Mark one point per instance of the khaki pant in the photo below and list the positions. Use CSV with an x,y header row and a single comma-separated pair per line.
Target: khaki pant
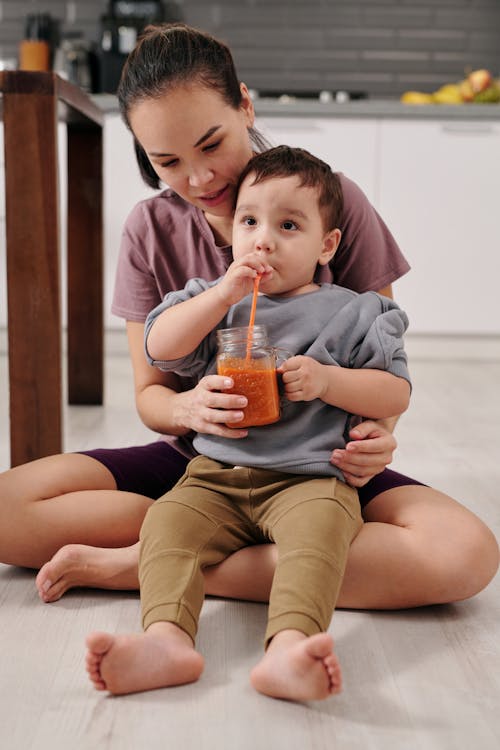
x,y
216,509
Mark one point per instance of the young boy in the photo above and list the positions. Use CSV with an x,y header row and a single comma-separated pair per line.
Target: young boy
x,y
271,483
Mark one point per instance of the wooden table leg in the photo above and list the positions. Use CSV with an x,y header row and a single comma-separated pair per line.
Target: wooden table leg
x,y
85,265
32,234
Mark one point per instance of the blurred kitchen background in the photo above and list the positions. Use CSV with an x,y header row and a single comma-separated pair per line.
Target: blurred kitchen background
x,y
327,76
365,46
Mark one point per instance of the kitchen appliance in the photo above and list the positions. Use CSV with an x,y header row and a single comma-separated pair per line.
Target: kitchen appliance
x,y
120,27
35,49
75,60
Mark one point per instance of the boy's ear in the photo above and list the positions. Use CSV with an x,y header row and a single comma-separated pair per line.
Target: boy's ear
x,y
331,241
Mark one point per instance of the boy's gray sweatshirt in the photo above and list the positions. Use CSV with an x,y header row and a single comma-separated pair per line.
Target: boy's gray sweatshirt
x,y
334,326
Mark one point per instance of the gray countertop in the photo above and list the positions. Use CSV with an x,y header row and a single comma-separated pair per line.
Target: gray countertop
x,y
376,108
365,108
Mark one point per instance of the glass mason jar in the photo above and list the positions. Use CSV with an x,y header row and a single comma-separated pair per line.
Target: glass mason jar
x,y
245,356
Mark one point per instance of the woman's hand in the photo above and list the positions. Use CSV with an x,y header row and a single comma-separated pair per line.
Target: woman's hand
x,y
165,409
369,452
206,408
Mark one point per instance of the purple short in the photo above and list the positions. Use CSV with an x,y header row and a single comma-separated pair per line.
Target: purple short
x,y
153,469
386,480
149,470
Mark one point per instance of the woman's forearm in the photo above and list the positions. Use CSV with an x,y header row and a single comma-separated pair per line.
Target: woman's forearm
x,y
157,394
157,408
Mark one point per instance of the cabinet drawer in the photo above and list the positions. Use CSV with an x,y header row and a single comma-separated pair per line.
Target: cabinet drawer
x,y
347,145
439,188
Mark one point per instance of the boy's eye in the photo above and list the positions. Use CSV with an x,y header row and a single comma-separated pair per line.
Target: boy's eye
x,y
249,221
289,225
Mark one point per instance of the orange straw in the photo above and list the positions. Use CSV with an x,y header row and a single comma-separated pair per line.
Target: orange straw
x,y
251,322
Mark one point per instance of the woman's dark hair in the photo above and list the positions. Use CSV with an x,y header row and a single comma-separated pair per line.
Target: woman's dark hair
x,y
170,54
283,161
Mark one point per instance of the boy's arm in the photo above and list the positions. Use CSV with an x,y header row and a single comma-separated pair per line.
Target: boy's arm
x,y
179,329
375,394
389,423
371,393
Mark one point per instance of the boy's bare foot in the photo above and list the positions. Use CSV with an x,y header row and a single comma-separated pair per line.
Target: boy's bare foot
x,y
93,567
163,656
299,668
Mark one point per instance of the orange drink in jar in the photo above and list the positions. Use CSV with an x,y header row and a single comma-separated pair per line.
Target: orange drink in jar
x,y
251,364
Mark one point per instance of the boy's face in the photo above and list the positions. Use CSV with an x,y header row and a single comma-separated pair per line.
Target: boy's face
x,y
281,220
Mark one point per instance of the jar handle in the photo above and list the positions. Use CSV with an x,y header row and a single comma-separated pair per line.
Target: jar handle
x,y
281,355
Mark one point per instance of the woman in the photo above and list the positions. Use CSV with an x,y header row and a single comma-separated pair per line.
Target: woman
x,y
77,516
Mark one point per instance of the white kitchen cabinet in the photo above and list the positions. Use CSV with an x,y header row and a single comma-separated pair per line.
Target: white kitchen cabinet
x,y
348,145
436,183
439,192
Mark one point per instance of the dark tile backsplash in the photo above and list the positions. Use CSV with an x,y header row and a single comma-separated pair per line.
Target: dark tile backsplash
x,y
381,48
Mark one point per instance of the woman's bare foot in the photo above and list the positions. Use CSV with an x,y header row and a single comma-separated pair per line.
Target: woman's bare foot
x,y
93,567
163,656
299,668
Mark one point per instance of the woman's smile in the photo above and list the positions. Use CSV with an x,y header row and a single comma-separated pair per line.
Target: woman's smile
x,y
216,197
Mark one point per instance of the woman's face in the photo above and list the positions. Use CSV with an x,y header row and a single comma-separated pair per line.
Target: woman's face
x,y
197,143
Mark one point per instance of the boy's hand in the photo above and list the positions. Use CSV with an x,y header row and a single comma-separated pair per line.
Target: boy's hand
x,y
239,277
303,378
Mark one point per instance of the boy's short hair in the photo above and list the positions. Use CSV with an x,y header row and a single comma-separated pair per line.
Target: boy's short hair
x,y
284,161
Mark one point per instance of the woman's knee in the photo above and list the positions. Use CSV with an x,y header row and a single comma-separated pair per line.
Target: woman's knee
x,y
477,559
456,545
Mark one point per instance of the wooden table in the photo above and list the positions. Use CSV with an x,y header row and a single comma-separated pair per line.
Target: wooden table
x,y
32,105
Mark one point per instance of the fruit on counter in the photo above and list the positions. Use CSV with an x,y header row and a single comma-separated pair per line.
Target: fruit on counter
x,y
480,80
491,95
416,97
466,90
479,87
449,94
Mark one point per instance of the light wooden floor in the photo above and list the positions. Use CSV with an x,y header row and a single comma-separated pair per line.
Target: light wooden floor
x,y
427,679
